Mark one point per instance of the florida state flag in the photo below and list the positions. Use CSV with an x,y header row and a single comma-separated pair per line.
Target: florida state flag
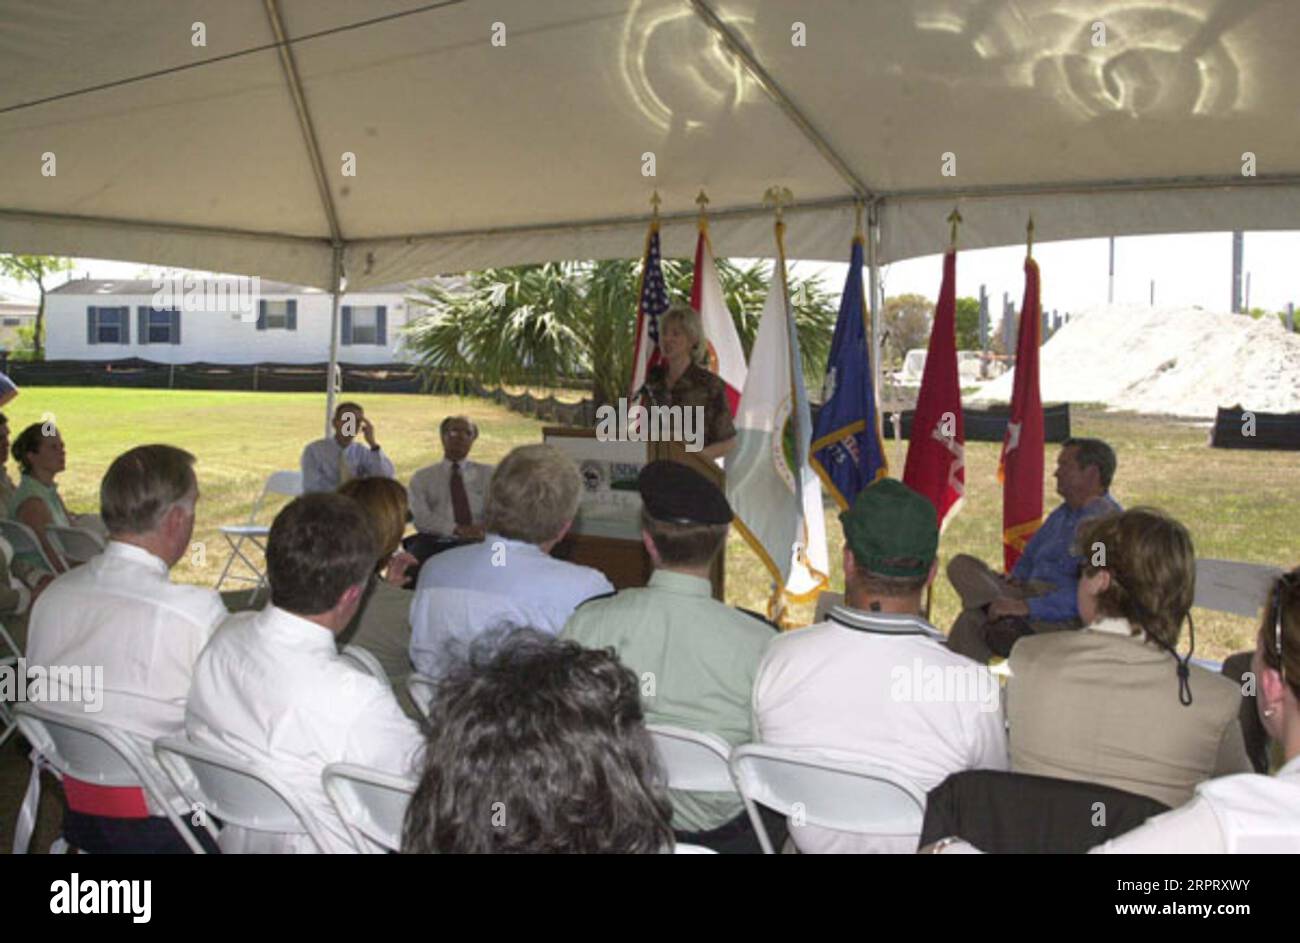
x,y
936,454
1021,467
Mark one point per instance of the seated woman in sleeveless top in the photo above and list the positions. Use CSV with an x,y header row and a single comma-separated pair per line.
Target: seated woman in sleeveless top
x,y
40,454
1249,813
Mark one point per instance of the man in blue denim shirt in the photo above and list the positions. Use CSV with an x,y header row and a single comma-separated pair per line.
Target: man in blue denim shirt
x,y
1039,595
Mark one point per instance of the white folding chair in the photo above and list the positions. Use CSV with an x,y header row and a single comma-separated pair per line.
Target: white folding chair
x,y
371,804
288,483
421,690
693,761
23,539
74,544
93,753
235,790
1233,587
10,654
846,796
681,848
365,661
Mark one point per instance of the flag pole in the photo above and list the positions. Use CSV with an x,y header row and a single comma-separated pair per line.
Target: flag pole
x,y
702,201
954,218
877,304
1029,247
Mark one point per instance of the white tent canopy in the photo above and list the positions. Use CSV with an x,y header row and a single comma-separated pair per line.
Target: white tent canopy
x,y
468,154
494,132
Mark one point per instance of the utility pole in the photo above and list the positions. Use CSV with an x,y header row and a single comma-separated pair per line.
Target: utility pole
x,y
1245,308
1110,287
1153,292
984,319
1238,251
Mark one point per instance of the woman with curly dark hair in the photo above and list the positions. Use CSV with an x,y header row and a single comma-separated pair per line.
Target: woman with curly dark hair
x,y
538,746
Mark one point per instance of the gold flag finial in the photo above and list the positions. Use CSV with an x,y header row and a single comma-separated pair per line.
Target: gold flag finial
x,y
1030,230
702,201
955,219
778,197
654,202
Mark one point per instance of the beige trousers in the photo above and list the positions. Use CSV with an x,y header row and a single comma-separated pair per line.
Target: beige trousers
x,y
974,632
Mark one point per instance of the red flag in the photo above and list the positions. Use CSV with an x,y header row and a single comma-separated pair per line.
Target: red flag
x,y
936,454
726,356
1021,467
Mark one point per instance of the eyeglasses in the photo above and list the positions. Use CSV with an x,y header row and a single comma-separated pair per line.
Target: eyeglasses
x,y
1285,584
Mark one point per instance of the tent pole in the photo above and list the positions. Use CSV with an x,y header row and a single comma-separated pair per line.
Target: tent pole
x,y
334,336
877,312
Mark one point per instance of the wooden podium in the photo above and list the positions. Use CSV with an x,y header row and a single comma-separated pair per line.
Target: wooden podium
x,y
607,532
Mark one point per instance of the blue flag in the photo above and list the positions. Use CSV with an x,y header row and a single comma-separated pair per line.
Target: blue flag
x,y
846,449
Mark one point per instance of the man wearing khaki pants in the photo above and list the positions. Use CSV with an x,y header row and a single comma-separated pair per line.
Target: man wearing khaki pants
x,y
1039,594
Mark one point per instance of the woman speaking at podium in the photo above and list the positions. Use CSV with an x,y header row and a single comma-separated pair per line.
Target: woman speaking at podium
x,y
681,381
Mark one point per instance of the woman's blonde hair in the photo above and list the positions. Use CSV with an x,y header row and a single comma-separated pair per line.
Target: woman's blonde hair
x,y
1152,566
688,319
534,492
385,505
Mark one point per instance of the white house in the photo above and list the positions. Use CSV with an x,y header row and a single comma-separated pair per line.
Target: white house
x,y
220,320
14,313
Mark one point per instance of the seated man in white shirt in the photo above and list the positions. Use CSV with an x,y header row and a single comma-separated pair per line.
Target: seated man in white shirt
x,y
509,579
447,497
121,611
875,683
272,688
328,462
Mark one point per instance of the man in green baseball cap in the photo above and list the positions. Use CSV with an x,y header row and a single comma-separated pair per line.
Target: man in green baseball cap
x,y
876,680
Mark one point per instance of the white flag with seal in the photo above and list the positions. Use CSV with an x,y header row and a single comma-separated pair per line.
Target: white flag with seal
x,y
775,494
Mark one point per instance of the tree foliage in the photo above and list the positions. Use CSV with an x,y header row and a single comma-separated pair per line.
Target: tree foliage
x,y
552,324
35,269
905,326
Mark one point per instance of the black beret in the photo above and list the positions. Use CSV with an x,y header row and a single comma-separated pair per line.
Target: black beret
x,y
675,494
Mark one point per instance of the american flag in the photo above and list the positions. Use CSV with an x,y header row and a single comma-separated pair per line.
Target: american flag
x,y
653,303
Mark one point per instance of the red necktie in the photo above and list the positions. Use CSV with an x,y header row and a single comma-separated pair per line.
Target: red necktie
x,y
460,498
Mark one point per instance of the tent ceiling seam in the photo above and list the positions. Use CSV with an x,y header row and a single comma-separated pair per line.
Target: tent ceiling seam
x,y
776,93
294,81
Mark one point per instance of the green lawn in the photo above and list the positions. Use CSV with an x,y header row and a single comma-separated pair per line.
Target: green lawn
x,y
1238,505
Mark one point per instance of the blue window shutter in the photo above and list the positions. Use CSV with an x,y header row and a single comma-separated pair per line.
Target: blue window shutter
x,y
381,332
291,319
261,315
92,328
124,321
142,322
176,326
345,328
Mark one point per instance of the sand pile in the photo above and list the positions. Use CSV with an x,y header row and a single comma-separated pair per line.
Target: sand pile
x,y
1177,361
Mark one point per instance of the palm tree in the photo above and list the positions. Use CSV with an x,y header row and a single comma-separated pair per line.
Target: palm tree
x,y
563,322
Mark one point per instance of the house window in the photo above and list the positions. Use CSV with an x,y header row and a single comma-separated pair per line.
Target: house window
x,y
160,326
365,325
12,322
277,315
111,326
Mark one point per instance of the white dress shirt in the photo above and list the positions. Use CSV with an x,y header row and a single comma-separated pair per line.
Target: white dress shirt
x,y
120,610
1243,814
272,688
321,461
430,495
862,687
466,591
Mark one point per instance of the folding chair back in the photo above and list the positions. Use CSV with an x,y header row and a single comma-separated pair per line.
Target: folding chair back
x,y
288,483
9,655
23,539
693,761
74,544
1231,586
98,754
235,790
421,690
846,796
826,601
371,804
364,660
